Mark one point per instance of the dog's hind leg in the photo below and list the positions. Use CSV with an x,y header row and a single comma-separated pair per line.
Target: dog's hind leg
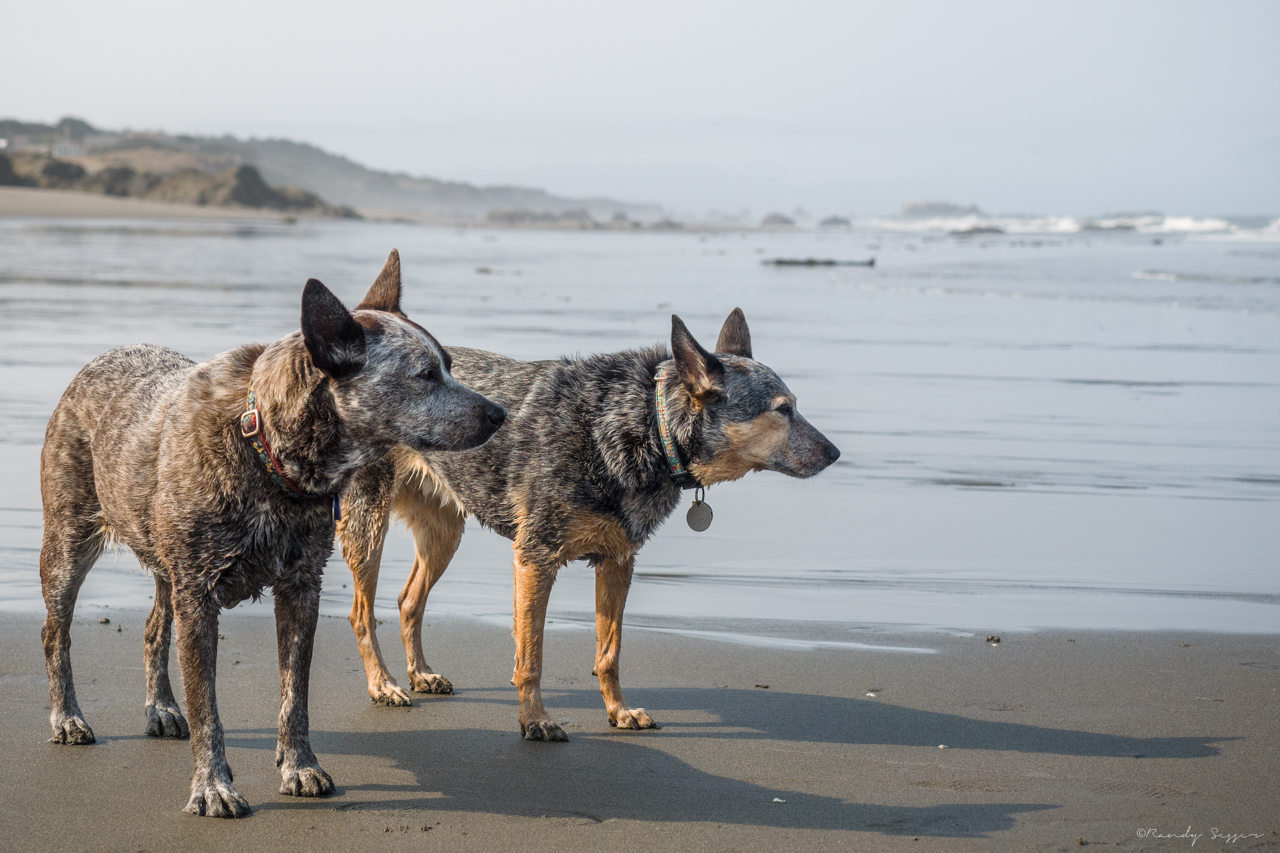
x,y
437,529
74,535
613,579
65,559
366,506
533,585
196,621
297,610
164,717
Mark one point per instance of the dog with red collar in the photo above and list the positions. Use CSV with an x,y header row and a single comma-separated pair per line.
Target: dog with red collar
x,y
222,478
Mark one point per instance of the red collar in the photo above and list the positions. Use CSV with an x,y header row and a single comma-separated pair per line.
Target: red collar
x,y
251,427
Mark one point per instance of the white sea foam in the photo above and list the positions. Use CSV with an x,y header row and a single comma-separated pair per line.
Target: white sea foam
x,y
1267,234
977,225
1191,224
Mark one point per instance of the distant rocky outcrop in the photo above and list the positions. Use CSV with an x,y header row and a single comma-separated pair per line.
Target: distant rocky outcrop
x,y
238,186
938,210
777,220
35,170
8,178
523,216
575,218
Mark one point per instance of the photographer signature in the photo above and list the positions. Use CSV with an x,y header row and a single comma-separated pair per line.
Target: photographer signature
x,y
1214,835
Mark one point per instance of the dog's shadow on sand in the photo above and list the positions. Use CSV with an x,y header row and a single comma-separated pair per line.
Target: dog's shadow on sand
x,y
836,720
603,775
606,777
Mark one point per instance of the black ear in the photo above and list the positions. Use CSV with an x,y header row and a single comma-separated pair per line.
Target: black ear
x,y
700,371
385,293
334,339
735,337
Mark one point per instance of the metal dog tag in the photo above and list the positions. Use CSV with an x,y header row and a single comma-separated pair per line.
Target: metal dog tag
x,y
699,515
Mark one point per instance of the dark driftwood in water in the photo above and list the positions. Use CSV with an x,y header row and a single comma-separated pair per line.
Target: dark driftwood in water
x,y
817,262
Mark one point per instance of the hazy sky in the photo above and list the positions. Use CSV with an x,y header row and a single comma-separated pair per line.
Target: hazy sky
x,y
1077,107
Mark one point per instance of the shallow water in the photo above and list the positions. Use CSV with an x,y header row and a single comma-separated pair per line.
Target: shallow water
x,y
1049,430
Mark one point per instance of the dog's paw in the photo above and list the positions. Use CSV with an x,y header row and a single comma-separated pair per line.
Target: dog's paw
x,y
543,730
389,694
429,682
216,799
71,730
166,721
632,718
307,781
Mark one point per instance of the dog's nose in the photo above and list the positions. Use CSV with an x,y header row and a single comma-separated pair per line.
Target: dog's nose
x,y
497,414
833,453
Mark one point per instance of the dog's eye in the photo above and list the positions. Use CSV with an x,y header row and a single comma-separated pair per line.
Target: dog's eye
x,y
429,375
785,410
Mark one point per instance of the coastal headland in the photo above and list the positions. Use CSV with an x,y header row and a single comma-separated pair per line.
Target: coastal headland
x,y
273,174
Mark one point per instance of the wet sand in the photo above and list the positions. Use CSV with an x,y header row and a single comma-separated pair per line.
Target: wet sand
x,y
1051,737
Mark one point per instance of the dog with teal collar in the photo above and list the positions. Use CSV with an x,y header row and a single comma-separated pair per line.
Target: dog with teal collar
x,y
594,457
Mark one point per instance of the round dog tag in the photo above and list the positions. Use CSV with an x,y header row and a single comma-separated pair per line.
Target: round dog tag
x,y
699,516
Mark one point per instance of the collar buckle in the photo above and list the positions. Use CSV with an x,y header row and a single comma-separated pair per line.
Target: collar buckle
x,y
250,423
251,428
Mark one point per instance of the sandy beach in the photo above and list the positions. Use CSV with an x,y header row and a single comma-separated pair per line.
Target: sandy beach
x,y
66,204
1049,737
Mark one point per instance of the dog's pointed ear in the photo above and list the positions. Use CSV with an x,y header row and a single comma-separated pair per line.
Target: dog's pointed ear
x,y
735,337
385,293
700,371
333,337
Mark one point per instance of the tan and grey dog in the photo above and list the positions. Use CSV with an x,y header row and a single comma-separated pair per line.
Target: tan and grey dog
x,y
220,477
579,472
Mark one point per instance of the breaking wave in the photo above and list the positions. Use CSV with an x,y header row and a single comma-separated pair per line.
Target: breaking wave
x,y
976,225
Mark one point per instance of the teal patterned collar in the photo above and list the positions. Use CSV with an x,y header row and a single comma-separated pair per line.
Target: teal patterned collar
x,y
680,473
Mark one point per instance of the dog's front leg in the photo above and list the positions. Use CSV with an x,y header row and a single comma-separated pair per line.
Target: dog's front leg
x,y
196,618
366,507
613,579
297,609
532,591
437,530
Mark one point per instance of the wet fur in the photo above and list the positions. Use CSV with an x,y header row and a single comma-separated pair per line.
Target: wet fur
x,y
144,449
578,472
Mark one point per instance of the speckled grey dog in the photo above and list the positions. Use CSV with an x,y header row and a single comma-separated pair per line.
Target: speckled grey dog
x,y
579,472
220,477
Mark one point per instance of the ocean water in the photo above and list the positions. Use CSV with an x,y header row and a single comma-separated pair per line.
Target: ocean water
x,y
1061,426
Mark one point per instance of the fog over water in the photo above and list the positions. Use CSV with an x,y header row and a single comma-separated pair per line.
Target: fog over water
x,y
1046,427
835,107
